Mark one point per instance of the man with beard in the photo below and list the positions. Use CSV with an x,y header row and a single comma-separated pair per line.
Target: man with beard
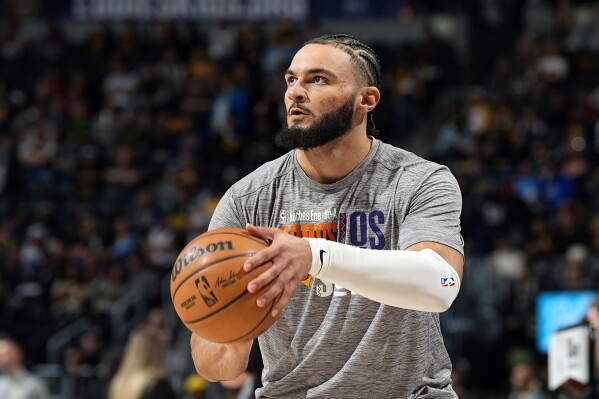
x,y
373,232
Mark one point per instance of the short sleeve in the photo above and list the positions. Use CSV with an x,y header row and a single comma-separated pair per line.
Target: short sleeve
x,y
434,212
225,214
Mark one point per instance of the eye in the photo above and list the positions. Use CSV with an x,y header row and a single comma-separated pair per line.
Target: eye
x,y
320,80
291,79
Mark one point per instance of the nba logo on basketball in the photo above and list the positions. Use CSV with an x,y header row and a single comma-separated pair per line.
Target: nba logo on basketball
x,y
447,281
206,292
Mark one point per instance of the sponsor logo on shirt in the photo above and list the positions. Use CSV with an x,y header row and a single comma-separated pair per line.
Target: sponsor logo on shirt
x,y
357,228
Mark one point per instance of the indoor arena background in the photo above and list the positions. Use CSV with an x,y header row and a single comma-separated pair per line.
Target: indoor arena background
x,y
122,123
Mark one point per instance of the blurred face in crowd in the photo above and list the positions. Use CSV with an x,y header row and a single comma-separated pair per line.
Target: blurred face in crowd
x,y
320,99
10,356
521,377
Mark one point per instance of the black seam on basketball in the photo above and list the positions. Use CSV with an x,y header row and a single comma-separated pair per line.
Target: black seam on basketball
x,y
207,266
251,238
230,303
219,309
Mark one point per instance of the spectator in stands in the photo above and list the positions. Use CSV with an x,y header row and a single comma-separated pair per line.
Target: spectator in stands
x,y
141,373
36,148
15,381
525,383
125,240
121,178
156,325
86,352
67,291
119,85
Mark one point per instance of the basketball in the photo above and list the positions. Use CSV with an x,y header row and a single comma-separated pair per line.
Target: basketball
x,y
209,287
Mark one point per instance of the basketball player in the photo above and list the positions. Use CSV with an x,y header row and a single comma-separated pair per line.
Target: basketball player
x,y
376,228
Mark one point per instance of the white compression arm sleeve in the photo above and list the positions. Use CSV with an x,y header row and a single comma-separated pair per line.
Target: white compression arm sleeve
x,y
418,280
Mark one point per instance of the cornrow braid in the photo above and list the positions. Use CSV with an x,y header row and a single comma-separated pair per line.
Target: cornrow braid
x,y
364,58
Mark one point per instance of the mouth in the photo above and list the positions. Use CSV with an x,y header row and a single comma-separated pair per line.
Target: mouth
x,y
297,112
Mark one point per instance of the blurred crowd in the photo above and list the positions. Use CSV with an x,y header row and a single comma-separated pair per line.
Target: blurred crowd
x,y
114,150
524,145
115,146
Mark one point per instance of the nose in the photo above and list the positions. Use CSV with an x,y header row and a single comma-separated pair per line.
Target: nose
x,y
297,93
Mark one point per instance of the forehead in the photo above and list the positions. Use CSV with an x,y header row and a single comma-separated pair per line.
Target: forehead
x,y
322,56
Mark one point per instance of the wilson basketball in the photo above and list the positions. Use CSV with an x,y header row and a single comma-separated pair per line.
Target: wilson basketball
x,y
209,287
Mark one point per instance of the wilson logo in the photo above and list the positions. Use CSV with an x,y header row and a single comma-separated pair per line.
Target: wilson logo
x,y
197,252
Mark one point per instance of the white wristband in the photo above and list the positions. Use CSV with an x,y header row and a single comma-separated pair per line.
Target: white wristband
x,y
418,280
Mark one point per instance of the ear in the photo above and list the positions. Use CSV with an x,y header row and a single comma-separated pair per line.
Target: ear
x,y
369,98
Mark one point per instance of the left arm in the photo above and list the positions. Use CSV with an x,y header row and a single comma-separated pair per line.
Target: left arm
x,y
412,278
424,277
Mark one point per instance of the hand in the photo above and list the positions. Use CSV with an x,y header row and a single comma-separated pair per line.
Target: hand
x,y
291,258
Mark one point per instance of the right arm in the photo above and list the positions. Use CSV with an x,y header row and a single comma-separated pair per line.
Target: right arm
x,y
219,362
213,361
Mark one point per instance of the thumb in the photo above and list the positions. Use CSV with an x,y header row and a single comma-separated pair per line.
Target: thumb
x,y
267,233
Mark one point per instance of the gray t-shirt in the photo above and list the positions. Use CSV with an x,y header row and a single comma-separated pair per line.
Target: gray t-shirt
x,y
328,342
22,385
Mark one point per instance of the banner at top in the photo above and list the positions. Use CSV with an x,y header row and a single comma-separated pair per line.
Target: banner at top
x,y
190,9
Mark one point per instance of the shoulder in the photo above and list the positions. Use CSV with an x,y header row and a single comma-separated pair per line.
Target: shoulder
x,y
263,176
412,165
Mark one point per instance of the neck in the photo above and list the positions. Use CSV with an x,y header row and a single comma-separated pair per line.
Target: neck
x,y
333,161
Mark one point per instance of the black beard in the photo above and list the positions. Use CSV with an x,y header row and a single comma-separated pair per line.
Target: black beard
x,y
327,128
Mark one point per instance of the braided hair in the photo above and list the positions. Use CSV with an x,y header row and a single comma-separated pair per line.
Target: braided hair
x,y
365,60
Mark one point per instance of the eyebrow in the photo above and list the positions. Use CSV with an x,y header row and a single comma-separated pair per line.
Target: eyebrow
x,y
314,71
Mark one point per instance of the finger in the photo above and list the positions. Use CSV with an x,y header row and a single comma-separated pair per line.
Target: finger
x,y
284,299
258,259
280,284
266,233
271,293
263,279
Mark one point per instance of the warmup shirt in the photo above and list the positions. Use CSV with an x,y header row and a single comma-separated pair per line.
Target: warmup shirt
x,y
329,342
